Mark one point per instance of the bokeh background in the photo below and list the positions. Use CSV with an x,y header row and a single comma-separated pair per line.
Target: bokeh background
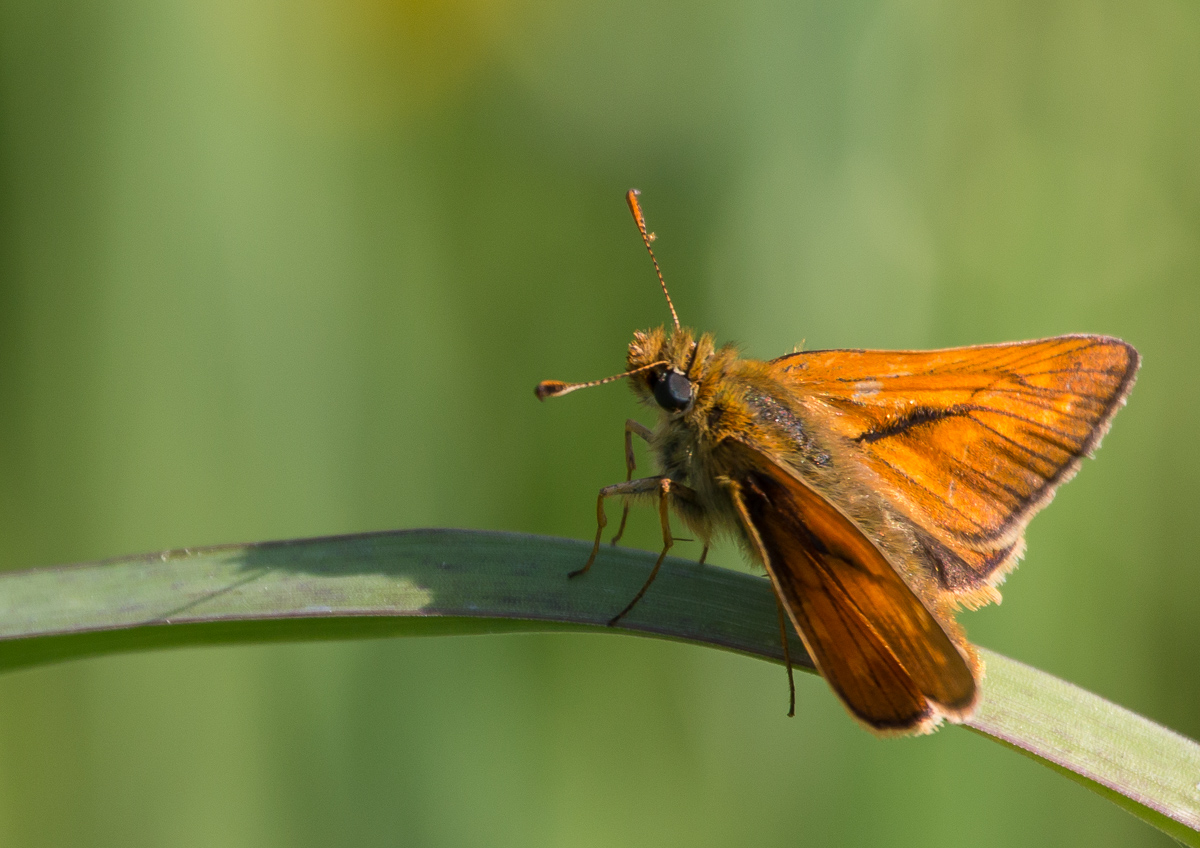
x,y
274,269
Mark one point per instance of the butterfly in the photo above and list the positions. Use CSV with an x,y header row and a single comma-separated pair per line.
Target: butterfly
x,y
880,490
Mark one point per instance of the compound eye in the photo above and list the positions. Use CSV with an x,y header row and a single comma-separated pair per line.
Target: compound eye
x,y
673,391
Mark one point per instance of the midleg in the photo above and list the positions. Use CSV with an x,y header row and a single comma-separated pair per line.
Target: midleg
x,y
666,489
630,487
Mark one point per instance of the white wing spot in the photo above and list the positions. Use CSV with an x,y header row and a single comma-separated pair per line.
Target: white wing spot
x,y
866,388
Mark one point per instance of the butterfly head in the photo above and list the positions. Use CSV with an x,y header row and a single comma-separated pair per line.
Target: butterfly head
x,y
663,369
667,371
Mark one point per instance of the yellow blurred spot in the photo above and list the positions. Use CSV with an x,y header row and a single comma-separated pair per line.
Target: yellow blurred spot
x,y
357,63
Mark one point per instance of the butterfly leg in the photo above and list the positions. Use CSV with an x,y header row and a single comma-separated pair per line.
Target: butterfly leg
x,y
644,486
756,542
787,655
667,488
631,427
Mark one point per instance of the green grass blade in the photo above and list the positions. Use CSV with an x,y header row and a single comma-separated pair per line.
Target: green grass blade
x,y
1141,766
438,582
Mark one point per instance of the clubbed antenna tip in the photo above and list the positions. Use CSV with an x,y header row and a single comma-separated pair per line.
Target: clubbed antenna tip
x,y
557,388
550,388
631,197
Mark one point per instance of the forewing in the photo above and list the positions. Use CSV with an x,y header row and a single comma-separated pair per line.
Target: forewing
x,y
885,655
968,443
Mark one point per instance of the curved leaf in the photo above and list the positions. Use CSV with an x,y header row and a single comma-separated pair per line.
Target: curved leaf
x,y
434,582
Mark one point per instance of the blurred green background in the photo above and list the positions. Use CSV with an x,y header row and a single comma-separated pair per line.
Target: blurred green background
x,y
276,269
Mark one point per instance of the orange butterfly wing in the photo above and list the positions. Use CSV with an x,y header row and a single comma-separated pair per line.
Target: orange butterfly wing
x,y
967,443
885,655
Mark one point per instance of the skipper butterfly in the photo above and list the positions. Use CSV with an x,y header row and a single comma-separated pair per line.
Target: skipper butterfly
x,y
881,490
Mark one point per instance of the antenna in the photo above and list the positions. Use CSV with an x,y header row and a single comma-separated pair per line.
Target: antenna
x,y
555,388
631,197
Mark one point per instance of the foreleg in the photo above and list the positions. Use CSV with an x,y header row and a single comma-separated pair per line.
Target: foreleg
x,y
631,427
